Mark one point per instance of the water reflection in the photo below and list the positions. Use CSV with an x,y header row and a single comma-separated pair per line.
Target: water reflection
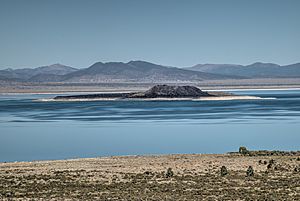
x,y
31,130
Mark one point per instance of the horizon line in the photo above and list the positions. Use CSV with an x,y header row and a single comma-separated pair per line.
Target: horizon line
x,y
124,62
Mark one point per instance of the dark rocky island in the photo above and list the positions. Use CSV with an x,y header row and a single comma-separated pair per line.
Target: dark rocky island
x,y
167,91
157,91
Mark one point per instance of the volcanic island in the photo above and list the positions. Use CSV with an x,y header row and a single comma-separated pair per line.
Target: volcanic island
x,y
158,92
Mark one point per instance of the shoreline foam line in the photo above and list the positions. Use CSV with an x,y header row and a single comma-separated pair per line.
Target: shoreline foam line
x,y
158,99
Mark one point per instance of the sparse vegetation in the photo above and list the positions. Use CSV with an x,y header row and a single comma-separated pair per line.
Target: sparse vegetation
x,y
272,161
243,151
250,171
224,171
269,166
197,177
169,173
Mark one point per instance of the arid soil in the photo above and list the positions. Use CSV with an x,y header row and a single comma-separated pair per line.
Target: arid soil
x,y
192,177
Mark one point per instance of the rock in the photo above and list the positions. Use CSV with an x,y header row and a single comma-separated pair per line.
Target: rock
x,y
157,91
9,194
167,91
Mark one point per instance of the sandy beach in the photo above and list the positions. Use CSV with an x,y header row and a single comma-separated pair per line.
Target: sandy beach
x,y
191,177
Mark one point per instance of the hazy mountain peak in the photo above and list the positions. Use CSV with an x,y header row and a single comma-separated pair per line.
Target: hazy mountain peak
x,y
56,65
138,61
259,64
145,64
8,69
114,62
255,70
97,63
143,71
210,64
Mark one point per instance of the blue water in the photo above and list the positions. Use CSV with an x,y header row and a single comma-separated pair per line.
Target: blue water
x,y
32,130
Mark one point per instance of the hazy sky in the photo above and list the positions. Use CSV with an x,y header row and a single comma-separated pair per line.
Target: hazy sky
x,y
179,33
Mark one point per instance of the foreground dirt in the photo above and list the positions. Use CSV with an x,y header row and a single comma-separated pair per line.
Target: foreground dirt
x,y
195,177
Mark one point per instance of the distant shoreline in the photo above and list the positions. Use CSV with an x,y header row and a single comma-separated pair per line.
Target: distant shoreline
x,y
92,90
220,98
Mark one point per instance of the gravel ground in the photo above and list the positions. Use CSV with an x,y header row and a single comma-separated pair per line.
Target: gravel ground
x,y
191,177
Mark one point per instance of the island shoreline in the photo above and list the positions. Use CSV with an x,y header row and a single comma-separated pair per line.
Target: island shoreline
x,y
98,88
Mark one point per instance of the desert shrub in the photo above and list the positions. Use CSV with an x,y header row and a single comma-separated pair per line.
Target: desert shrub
x,y
269,166
243,150
250,171
169,173
223,171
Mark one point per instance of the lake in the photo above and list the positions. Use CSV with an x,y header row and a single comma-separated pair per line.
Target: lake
x,y
33,130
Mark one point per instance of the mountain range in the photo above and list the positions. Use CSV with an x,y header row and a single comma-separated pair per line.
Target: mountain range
x,y
255,70
142,71
36,74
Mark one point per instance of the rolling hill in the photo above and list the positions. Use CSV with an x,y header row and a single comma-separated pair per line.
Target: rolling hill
x,y
142,71
33,74
255,70
137,71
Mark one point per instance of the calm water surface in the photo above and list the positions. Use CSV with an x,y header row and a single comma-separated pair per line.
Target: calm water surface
x,y
32,130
